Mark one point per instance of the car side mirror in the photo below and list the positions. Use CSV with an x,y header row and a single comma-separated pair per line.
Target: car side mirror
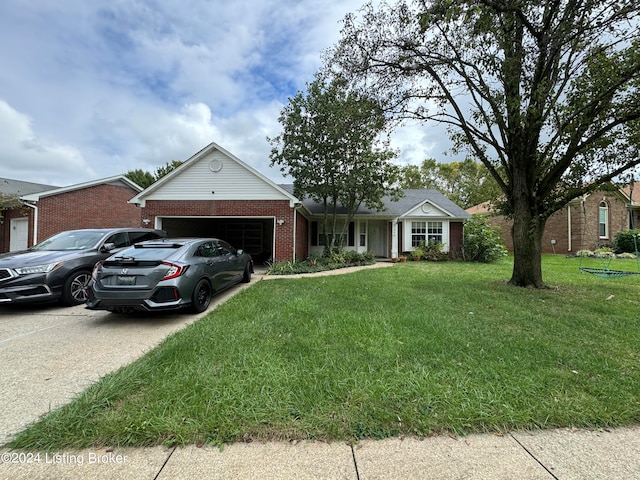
x,y
107,247
239,252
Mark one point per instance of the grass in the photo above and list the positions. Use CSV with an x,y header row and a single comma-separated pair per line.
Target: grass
x,y
414,349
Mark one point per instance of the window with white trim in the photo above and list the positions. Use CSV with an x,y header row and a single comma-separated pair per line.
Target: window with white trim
x,y
603,220
418,233
434,232
363,234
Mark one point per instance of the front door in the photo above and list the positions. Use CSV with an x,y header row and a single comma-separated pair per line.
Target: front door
x,y
19,234
378,237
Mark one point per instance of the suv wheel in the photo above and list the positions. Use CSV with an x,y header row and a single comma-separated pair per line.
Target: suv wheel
x,y
74,291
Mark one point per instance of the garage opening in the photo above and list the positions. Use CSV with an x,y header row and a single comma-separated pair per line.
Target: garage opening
x,y
253,235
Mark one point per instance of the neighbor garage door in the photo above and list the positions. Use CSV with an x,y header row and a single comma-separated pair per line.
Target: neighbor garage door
x,y
254,235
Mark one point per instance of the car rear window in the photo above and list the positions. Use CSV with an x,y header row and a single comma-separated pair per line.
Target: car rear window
x,y
154,252
136,237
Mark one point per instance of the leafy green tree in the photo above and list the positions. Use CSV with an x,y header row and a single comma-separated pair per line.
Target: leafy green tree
x,y
145,179
7,202
544,94
330,145
140,177
482,242
166,169
424,175
467,183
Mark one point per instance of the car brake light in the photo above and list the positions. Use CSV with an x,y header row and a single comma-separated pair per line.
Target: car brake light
x,y
174,271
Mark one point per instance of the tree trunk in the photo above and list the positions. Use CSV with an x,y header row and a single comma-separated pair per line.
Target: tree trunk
x,y
527,251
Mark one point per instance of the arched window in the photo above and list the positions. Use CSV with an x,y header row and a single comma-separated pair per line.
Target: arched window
x,y
603,222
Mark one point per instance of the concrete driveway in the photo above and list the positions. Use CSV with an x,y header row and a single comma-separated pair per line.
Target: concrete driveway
x,y
49,354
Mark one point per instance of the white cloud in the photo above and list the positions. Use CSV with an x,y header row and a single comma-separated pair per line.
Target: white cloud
x,y
26,156
103,87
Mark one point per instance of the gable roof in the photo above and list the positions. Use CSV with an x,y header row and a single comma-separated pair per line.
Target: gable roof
x,y
20,188
412,199
34,197
214,173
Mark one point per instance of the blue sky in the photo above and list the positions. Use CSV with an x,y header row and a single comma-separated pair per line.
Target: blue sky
x,y
91,89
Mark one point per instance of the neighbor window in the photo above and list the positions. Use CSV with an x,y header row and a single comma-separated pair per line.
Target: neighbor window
x,y
603,220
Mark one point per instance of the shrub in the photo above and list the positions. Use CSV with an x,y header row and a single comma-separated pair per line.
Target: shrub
x,y
419,253
319,263
604,252
482,242
433,251
624,241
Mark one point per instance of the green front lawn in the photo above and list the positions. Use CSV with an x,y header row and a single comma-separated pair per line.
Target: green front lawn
x,y
416,348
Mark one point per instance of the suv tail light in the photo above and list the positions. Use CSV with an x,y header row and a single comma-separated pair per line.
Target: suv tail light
x,y
96,269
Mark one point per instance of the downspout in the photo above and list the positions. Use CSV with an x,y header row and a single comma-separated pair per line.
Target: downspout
x,y
569,226
35,221
295,238
275,239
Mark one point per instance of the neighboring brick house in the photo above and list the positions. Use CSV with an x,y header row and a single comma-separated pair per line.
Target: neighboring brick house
x,y
213,193
14,222
585,223
49,210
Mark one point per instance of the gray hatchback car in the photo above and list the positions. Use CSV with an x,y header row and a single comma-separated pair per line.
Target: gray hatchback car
x,y
167,274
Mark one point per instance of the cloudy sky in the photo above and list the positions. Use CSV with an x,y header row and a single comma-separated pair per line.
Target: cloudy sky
x,y
91,89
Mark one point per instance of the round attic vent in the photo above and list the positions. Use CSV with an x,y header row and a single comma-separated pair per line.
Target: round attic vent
x,y
426,208
215,165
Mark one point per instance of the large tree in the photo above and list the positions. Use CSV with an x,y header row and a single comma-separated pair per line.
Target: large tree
x,y
331,145
467,183
145,179
544,94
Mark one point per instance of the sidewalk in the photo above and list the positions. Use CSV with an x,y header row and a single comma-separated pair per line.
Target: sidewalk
x,y
547,454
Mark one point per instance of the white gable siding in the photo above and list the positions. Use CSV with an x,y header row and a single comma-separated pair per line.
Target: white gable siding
x,y
231,182
427,210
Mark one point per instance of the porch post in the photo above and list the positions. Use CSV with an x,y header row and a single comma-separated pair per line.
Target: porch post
x,y
394,238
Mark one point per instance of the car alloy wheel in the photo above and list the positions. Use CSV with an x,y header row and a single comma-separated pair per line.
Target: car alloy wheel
x,y
74,291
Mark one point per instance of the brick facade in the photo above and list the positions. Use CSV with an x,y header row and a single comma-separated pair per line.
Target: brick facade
x,y
99,206
302,236
570,229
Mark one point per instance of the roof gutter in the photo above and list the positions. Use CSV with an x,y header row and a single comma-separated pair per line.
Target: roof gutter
x,y
35,220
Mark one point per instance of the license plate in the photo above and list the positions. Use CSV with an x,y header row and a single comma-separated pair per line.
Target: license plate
x,y
126,280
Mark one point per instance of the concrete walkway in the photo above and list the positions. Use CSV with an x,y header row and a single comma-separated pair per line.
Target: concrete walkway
x,y
549,454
